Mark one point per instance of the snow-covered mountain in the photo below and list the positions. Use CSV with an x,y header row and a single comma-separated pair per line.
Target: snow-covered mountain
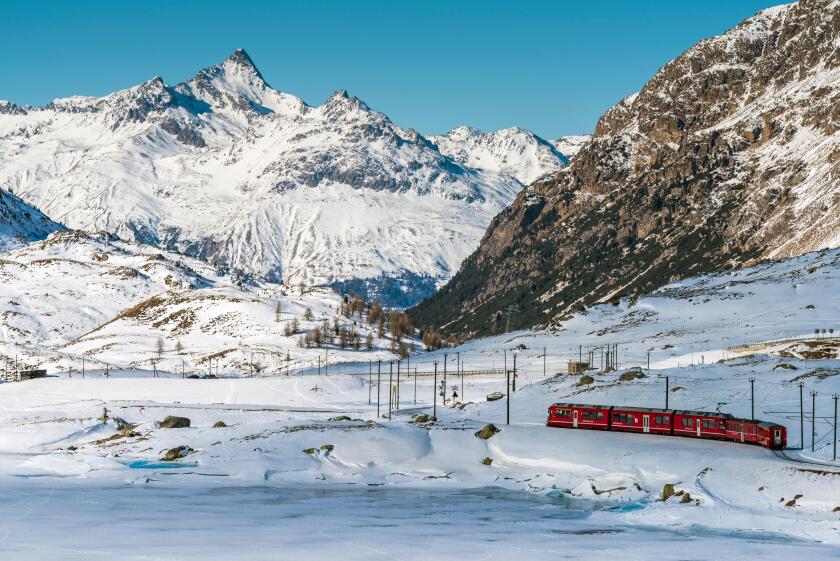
x,y
21,223
514,152
729,153
570,145
227,169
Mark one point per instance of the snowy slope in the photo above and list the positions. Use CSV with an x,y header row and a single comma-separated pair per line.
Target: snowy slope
x,y
227,169
77,295
515,152
311,451
21,223
570,145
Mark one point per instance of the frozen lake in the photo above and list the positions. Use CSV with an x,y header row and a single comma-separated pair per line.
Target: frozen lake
x,y
77,520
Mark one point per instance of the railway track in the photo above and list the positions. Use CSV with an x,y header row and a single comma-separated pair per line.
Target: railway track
x,y
782,456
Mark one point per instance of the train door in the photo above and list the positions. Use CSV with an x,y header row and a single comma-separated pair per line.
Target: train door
x,y
777,437
742,432
575,418
646,423
698,423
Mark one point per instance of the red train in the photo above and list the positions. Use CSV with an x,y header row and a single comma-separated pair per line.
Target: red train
x,y
697,424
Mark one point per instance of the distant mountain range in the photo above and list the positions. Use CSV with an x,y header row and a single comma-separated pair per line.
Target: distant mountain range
x,y
225,168
728,155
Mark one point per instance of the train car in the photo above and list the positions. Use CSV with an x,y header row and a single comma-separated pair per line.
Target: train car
x,y
701,424
742,430
579,416
771,435
641,419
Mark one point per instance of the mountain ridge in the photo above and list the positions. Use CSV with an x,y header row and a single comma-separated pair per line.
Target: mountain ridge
x,y
728,154
335,193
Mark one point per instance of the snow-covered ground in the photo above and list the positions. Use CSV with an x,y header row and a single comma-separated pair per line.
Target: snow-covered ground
x,y
307,469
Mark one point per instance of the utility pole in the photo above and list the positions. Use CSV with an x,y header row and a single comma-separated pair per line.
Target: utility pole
x,y
813,417
514,372
463,385
415,386
370,376
544,374
580,353
390,386
83,367
667,390
398,385
434,394
507,372
326,361
378,384
752,399
319,373
801,417
834,442
444,372
648,361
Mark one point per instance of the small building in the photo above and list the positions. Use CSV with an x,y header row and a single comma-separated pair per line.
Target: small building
x,y
32,374
576,367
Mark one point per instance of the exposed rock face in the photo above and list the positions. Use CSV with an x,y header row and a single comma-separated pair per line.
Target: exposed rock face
x,y
173,422
731,152
487,431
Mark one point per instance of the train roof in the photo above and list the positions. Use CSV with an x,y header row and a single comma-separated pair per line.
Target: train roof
x,y
715,414
588,405
642,409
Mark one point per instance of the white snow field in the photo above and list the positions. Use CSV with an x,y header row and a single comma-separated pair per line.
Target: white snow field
x,y
306,469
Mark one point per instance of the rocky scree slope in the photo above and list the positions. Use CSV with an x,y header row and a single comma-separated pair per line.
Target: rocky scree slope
x,y
729,154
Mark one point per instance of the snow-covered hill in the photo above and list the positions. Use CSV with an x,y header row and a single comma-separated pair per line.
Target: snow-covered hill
x,y
514,152
227,169
21,223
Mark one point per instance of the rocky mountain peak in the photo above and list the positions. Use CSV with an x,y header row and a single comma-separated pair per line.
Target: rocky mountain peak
x,y
728,154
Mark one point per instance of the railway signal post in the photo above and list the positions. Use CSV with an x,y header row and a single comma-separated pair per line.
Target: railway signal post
x,y
752,399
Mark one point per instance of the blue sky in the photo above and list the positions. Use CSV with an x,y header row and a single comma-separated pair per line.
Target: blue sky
x,y
549,66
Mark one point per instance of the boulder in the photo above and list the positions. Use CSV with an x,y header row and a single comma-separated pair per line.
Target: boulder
x,y
122,424
422,418
686,498
487,431
327,447
172,422
667,491
487,461
310,451
219,425
585,380
175,453
340,418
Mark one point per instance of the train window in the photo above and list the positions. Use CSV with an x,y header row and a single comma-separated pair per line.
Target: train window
x,y
661,420
688,423
563,413
710,424
721,425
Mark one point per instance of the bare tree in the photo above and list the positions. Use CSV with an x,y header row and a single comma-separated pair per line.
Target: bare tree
x,y
179,348
307,315
277,311
159,347
369,341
